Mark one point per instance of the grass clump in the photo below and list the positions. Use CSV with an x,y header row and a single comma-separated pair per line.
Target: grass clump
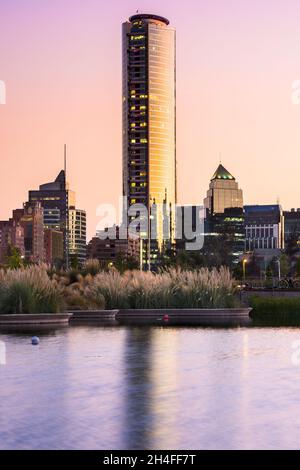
x,y
33,290
172,288
29,290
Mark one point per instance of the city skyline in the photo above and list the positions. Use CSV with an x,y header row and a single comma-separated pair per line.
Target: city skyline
x,y
231,98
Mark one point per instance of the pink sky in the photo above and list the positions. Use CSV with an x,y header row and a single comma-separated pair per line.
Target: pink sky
x,y
236,61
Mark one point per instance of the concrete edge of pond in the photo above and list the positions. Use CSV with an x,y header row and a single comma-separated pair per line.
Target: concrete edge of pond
x,y
35,318
93,316
205,317
135,316
173,313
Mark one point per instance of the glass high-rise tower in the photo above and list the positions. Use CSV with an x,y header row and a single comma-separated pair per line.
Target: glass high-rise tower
x,y
149,135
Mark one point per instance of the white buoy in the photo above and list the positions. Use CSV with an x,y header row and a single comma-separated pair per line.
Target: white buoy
x,y
35,340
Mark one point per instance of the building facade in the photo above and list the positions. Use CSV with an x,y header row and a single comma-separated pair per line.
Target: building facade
x,y
292,228
264,226
60,214
224,215
189,226
11,235
223,192
77,235
31,218
149,140
55,198
108,250
54,247
228,229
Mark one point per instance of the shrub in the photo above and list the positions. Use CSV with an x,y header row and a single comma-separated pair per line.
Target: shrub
x,y
82,296
275,308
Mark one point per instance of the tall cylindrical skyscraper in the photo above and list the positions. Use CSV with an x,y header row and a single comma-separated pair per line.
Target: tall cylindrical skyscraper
x,y
149,127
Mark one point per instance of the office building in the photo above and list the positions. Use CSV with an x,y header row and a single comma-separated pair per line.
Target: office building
x,y
149,142
223,192
31,218
55,198
77,235
60,214
189,226
108,250
54,247
264,226
292,228
224,216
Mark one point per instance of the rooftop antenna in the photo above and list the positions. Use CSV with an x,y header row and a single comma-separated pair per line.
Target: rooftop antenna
x,y
220,157
65,161
67,209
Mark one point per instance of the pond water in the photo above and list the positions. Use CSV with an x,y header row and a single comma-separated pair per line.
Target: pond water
x,y
88,387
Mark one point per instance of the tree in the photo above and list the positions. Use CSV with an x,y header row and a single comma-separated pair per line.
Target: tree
x,y
124,263
298,267
13,257
74,263
284,265
269,270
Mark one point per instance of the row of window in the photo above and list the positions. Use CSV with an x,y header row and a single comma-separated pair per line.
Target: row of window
x,y
263,243
259,232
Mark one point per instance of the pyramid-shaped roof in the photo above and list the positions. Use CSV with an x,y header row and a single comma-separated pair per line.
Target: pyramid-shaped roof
x,y
59,184
222,173
61,177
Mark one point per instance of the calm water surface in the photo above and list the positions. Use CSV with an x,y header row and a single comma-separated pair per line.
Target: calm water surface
x,y
130,388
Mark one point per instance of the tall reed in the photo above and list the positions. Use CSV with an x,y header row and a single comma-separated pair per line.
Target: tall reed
x,y
172,288
29,290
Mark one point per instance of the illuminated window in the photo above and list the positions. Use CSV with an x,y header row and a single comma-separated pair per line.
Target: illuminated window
x,y
137,38
143,141
142,107
133,185
132,124
132,108
143,124
50,198
132,141
133,201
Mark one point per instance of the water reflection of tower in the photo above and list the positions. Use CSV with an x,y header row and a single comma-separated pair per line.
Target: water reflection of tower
x,y
137,369
151,388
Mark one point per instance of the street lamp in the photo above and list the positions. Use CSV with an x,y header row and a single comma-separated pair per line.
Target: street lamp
x,y
279,269
244,269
